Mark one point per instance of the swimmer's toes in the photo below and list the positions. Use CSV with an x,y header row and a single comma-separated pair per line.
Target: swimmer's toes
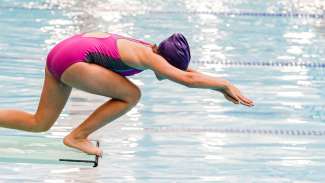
x,y
83,145
98,152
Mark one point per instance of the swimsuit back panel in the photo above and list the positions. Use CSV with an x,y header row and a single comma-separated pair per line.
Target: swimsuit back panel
x,y
100,51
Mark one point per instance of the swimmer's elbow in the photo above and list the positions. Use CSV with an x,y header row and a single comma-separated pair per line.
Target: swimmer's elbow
x,y
190,80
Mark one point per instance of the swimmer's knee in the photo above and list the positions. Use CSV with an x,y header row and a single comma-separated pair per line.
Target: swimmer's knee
x,y
134,96
38,125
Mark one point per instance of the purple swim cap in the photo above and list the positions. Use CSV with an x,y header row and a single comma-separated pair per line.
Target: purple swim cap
x,y
176,51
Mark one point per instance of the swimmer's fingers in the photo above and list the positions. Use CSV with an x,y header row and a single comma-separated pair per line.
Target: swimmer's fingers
x,y
236,96
246,101
246,104
231,99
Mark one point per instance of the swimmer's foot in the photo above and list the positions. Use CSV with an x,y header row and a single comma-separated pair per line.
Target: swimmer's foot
x,y
82,144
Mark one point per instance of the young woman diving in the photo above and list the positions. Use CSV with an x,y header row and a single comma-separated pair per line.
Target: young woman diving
x,y
98,63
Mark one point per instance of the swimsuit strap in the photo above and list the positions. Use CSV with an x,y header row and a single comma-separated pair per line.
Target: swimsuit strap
x,y
132,39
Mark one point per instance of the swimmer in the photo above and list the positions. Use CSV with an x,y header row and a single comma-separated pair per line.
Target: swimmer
x,y
98,63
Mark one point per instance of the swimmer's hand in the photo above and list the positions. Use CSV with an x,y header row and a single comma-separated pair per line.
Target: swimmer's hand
x,y
233,94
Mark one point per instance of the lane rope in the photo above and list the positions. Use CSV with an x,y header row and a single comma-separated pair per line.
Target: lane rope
x,y
242,14
261,63
250,131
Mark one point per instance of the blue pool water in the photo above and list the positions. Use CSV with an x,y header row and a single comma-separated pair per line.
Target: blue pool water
x,y
273,51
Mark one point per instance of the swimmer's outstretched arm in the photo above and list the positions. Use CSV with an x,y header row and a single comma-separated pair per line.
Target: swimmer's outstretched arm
x,y
193,79
230,92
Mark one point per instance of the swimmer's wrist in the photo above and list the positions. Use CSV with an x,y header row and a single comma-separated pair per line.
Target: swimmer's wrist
x,y
222,85
225,85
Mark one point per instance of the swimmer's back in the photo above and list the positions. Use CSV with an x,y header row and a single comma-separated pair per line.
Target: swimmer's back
x,y
96,49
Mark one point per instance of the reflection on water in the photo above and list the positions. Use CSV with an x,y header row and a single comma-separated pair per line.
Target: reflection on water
x,y
286,97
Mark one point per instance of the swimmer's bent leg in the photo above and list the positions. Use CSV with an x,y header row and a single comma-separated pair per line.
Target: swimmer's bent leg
x,y
52,101
98,80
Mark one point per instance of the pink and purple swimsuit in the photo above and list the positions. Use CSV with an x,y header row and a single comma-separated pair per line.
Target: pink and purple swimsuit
x,y
100,51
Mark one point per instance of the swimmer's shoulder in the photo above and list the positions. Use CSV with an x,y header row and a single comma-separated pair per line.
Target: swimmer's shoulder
x,y
132,53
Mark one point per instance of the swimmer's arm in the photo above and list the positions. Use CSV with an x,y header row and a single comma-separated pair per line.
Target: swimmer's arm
x,y
201,80
193,79
230,92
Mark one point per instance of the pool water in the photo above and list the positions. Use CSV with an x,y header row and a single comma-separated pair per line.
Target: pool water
x,y
273,51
